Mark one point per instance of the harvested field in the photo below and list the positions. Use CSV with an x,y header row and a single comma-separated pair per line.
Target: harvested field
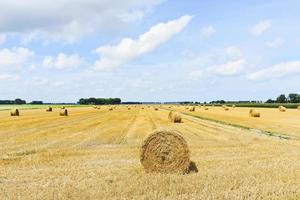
x,y
271,119
95,154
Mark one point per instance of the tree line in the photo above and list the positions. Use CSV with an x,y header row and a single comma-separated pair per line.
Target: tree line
x,y
99,101
16,101
290,98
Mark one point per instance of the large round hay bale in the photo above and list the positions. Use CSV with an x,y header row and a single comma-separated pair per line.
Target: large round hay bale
x,y
49,109
165,151
282,109
63,112
175,117
254,113
14,112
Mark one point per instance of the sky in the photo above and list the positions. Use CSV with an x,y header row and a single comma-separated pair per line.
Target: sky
x,y
154,50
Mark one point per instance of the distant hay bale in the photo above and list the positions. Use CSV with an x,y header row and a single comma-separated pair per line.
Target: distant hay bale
x,y
128,108
226,108
110,109
282,109
62,107
165,151
14,112
193,109
175,117
63,112
233,106
254,113
206,108
186,108
95,107
156,109
49,109
142,108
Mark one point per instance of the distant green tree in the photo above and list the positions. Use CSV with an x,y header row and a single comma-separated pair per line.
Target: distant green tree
x,y
281,99
270,101
294,98
20,101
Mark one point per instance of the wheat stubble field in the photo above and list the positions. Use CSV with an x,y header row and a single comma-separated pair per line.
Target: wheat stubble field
x,y
94,154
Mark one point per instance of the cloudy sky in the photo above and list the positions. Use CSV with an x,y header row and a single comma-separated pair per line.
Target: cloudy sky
x,y
154,50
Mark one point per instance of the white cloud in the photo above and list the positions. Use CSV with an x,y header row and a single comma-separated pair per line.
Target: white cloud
x,y
62,61
233,52
231,68
275,43
261,27
196,74
7,77
128,49
276,71
69,20
207,31
2,38
17,56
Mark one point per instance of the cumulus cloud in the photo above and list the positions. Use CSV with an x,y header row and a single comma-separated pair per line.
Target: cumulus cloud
x,y
261,27
196,74
6,77
233,52
62,61
207,31
68,20
276,71
2,38
230,68
14,57
275,43
128,49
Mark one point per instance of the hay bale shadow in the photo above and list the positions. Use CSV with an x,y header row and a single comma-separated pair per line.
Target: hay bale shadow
x,y
193,168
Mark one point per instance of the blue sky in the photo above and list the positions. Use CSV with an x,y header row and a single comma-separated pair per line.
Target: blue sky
x,y
155,50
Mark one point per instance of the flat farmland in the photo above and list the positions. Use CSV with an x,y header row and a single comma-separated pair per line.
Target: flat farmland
x,y
94,154
270,120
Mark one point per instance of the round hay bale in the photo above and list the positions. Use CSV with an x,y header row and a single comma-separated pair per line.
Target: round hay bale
x,y
282,108
63,112
206,108
14,112
110,109
62,107
193,109
254,113
49,109
165,151
226,108
175,117
156,109
233,106
128,108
